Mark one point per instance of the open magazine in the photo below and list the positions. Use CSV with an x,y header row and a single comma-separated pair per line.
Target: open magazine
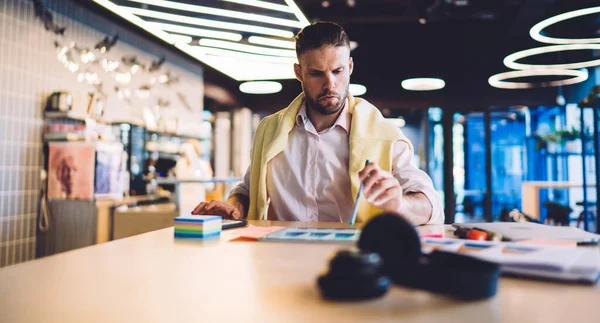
x,y
540,261
578,265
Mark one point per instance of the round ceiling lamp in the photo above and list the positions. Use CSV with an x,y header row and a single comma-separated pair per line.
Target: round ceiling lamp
x,y
510,61
499,80
357,89
260,87
423,84
398,122
536,31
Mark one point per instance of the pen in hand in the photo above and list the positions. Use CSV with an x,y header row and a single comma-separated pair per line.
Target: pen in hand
x,y
355,211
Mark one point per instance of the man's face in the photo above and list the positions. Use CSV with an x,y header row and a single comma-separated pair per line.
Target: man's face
x,y
325,76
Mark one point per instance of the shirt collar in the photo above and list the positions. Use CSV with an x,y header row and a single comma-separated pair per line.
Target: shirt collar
x,y
343,120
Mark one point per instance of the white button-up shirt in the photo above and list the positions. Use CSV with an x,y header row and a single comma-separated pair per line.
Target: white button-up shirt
x,y
309,180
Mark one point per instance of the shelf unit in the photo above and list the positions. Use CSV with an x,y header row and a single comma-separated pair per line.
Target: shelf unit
x,y
67,115
173,134
69,136
55,115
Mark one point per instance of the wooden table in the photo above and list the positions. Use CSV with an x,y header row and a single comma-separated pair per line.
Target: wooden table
x,y
155,278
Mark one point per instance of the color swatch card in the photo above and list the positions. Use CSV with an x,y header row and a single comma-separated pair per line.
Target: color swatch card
x,y
254,233
314,235
335,235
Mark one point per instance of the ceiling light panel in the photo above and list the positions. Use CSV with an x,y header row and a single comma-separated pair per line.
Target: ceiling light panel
x,y
246,57
245,39
211,23
260,87
272,42
247,48
197,9
423,84
244,71
357,89
196,32
263,4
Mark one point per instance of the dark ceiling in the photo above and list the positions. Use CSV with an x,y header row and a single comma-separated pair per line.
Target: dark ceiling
x,y
463,42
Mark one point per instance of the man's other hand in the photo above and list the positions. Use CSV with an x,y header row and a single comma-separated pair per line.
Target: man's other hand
x,y
381,188
224,209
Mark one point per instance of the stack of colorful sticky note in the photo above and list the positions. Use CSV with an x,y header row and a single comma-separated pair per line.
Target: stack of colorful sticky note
x,y
197,226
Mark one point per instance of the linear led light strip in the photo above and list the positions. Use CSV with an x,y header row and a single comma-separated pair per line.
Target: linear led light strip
x,y
135,20
498,80
244,56
263,4
209,23
238,70
297,12
246,48
510,61
241,70
222,12
197,31
181,38
536,31
271,42
291,7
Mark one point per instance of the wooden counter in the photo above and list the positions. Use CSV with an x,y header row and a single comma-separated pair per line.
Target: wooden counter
x,y
154,277
530,194
105,206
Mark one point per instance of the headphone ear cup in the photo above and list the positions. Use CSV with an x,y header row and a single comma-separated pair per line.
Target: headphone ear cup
x,y
353,275
353,263
394,239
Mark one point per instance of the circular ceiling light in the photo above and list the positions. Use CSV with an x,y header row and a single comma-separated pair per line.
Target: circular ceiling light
x,y
357,89
423,84
260,87
536,31
510,61
498,80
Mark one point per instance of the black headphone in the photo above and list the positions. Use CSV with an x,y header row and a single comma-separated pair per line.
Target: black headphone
x,y
389,246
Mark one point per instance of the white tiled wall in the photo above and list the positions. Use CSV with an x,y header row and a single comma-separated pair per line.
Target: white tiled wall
x,y
29,72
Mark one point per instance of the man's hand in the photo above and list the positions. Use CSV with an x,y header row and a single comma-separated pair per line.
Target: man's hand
x,y
224,209
381,188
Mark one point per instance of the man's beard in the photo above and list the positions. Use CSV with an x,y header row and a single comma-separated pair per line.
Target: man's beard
x,y
328,109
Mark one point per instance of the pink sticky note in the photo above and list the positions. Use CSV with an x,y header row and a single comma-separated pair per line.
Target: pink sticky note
x,y
253,233
431,235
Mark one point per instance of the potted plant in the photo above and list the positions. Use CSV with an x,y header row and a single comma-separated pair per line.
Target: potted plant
x,y
566,136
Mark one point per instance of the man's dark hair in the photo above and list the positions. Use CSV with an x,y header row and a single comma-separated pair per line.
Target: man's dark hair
x,y
321,33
